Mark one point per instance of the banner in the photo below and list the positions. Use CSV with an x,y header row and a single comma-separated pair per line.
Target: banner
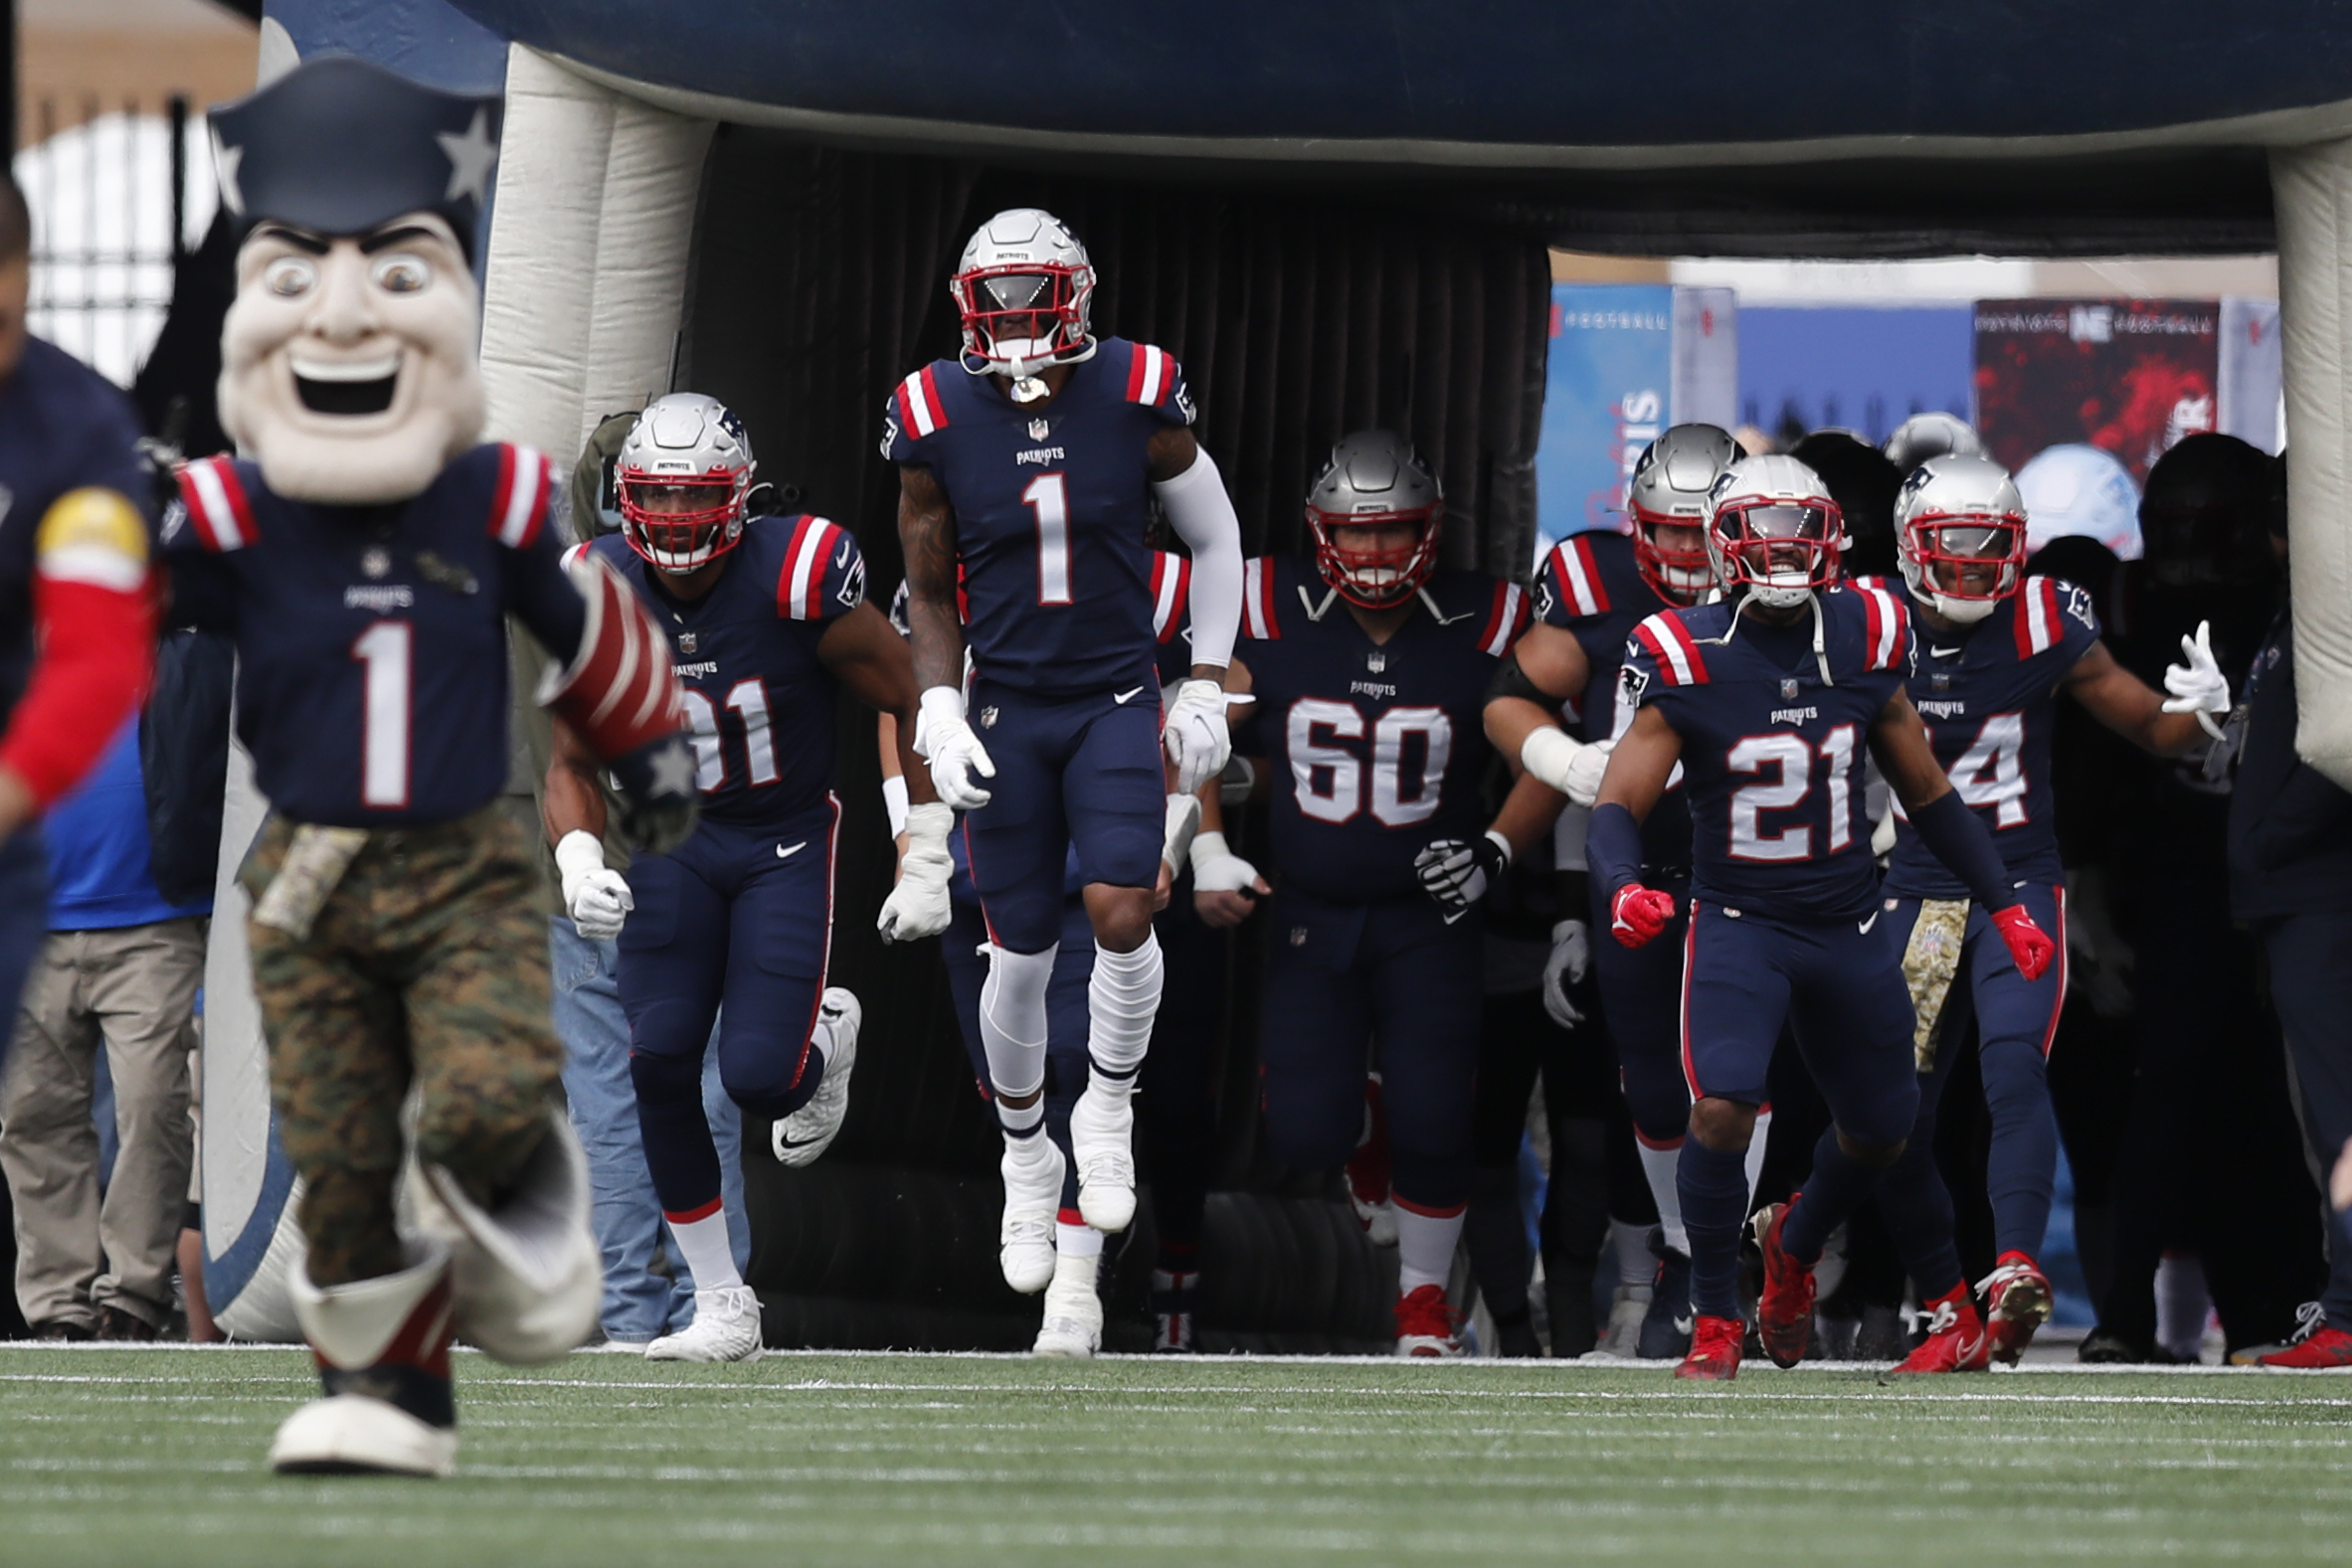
x,y
2130,377
1706,388
1606,395
2249,382
1863,369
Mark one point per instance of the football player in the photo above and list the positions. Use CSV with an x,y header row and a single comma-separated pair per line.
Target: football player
x,y
1026,469
1370,667
1996,649
766,620
366,554
1767,700
1590,592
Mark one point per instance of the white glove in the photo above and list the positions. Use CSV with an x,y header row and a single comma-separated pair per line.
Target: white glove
x,y
1196,735
918,906
1571,962
1571,766
598,899
1216,869
954,753
1457,872
2198,687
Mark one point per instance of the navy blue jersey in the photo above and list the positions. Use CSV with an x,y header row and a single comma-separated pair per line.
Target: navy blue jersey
x,y
1772,758
759,699
63,427
371,640
1374,748
1051,509
1591,587
1989,696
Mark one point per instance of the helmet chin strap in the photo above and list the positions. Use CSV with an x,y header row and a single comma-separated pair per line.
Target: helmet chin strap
x,y
1820,628
1967,612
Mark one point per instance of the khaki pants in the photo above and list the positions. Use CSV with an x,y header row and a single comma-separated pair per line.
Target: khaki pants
x,y
133,991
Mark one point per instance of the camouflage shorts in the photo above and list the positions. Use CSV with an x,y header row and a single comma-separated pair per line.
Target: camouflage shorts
x,y
427,965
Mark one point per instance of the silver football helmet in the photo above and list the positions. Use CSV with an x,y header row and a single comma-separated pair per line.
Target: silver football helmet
x,y
1932,434
1773,531
683,476
1671,482
1024,293
1375,480
1960,536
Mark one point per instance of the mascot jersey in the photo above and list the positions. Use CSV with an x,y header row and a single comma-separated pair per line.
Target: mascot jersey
x,y
372,676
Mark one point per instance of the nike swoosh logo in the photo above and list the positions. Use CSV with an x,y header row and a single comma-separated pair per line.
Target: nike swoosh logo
x,y
1456,915
1865,927
787,851
1946,653
1683,1325
1127,696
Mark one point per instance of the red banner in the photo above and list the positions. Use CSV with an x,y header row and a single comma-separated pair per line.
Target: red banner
x,y
2130,376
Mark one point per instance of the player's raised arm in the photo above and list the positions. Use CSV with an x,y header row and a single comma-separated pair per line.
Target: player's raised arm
x,y
1185,480
2140,714
1952,832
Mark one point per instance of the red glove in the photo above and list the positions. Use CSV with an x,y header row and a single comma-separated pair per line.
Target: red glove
x,y
1637,914
2027,943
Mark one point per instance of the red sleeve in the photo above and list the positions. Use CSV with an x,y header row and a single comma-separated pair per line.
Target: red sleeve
x,y
96,655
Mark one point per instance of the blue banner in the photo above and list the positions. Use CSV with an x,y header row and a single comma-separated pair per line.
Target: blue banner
x,y
1606,385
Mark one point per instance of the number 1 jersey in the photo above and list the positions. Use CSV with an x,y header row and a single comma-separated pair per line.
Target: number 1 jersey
x,y
1773,753
1374,748
1988,694
1051,508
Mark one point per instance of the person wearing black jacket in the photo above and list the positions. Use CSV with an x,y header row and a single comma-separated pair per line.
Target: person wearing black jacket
x,y
2290,880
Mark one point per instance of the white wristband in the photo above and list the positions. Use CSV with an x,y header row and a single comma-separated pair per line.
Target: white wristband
x,y
1547,753
1207,847
894,801
577,853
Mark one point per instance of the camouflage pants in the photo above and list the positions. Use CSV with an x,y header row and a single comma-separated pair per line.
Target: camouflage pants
x,y
427,965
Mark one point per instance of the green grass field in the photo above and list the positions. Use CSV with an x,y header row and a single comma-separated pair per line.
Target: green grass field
x,y
154,1457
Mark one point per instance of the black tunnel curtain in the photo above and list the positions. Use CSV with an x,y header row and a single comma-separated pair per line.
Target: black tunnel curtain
x,y
820,280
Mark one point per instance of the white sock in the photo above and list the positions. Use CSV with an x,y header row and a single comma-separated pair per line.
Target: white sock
x,y
1121,1000
1756,1142
1012,1030
1635,1266
1658,1166
709,1256
1425,1248
1076,1241
2181,1304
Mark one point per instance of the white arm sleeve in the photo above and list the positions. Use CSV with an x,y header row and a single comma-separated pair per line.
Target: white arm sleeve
x,y
1203,517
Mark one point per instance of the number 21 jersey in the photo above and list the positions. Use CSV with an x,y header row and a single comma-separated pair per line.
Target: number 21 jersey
x,y
1051,507
1773,753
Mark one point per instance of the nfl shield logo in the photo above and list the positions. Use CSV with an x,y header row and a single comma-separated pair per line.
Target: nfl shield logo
x,y
987,718
689,642
376,561
1940,682
1038,429
1375,662
1788,688
1298,936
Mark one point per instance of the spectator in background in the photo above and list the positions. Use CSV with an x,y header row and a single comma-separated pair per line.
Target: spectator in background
x,y
119,973
1863,482
2290,880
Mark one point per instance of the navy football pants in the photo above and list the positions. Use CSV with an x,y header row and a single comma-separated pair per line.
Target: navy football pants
x,y
1072,772
1391,985
2016,1019
2311,986
734,925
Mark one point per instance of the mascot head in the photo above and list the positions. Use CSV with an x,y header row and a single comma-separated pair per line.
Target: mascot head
x,y
348,366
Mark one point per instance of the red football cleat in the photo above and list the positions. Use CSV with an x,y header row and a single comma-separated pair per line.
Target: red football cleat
x,y
2325,1349
1784,1312
2017,1301
1425,1325
1715,1350
1956,1338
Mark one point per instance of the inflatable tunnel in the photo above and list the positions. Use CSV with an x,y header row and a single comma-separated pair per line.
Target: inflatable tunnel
x,y
1333,218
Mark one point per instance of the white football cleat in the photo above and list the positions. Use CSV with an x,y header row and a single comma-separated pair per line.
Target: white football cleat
x,y
1627,1312
726,1328
1073,1327
1032,1169
808,1132
1376,1216
354,1435
1102,1147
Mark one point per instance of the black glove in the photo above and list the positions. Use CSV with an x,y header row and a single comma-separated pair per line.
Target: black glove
x,y
1457,873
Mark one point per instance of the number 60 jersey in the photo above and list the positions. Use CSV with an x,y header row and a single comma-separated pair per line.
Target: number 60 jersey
x,y
1374,748
1773,728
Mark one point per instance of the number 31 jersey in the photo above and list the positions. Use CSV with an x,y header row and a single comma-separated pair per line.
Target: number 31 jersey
x,y
1374,748
759,699
1988,694
1773,753
1051,508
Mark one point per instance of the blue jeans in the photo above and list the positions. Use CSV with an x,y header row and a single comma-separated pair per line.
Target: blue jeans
x,y
640,1305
